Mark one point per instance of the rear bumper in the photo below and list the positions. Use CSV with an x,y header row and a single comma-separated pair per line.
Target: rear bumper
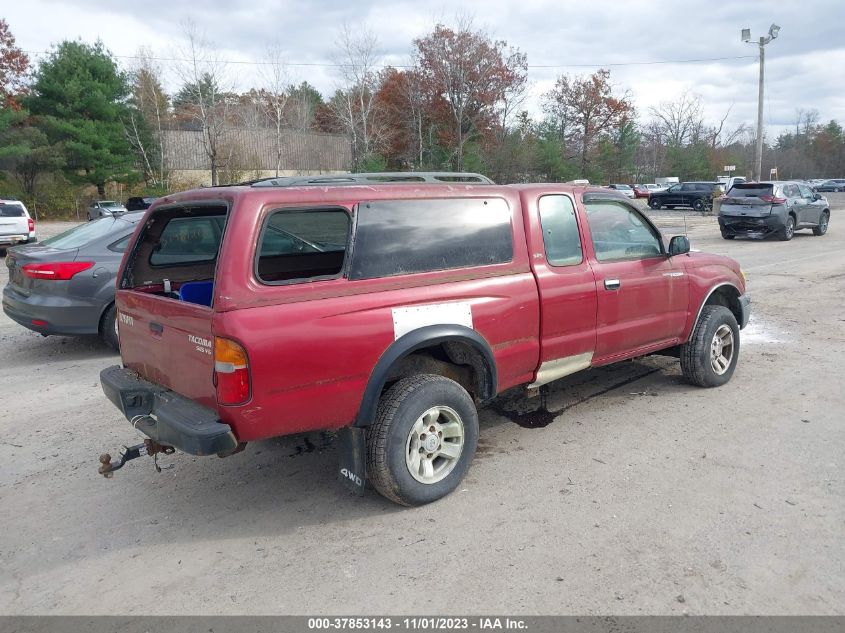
x,y
165,416
62,315
745,225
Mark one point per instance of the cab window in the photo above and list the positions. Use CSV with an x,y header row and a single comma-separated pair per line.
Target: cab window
x,y
561,240
620,232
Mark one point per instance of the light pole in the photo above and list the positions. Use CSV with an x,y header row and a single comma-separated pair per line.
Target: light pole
x,y
774,29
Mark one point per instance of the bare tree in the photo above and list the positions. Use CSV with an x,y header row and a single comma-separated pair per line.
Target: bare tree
x,y
148,118
274,96
354,103
205,94
680,122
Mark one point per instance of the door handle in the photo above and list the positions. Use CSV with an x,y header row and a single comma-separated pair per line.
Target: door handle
x,y
156,328
612,284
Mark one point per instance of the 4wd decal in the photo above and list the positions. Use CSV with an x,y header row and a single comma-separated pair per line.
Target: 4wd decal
x,y
201,344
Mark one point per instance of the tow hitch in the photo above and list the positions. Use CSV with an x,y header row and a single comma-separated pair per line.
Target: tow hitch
x,y
148,447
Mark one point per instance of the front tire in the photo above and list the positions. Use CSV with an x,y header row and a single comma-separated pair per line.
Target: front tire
x,y
108,328
709,358
423,439
654,204
821,229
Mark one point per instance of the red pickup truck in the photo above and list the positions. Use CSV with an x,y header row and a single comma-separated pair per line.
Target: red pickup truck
x,y
389,308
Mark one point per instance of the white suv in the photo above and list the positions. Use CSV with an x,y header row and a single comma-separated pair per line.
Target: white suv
x,y
16,227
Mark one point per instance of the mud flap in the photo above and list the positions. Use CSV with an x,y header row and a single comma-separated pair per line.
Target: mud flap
x,y
352,458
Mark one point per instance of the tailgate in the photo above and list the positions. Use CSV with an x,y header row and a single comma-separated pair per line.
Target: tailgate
x,y
13,226
752,207
169,343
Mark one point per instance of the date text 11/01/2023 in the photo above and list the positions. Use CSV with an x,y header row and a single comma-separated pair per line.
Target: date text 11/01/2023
x,y
416,623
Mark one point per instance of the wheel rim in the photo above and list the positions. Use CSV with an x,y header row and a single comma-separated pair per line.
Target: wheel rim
x,y
790,227
435,444
722,349
823,223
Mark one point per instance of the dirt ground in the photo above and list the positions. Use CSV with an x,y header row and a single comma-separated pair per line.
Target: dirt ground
x,y
644,495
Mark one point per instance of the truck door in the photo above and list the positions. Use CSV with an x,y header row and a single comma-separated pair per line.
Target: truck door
x,y
566,285
643,295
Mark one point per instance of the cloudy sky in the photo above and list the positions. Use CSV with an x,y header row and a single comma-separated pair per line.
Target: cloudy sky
x,y
641,41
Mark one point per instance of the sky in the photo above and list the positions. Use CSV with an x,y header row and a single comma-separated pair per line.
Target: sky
x,y
642,42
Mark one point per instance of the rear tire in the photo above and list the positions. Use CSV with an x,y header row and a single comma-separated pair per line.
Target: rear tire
x,y
709,358
654,204
821,229
698,205
108,328
788,231
406,461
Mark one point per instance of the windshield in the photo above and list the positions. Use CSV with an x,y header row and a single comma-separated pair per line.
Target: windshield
x,y
88,232
110,203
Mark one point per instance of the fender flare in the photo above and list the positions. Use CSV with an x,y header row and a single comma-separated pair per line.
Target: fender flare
x,y
409,343
706,297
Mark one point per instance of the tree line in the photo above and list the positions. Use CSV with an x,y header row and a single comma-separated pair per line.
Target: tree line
x,y
79,119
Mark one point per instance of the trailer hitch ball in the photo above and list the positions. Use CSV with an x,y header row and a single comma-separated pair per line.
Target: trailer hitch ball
x,y
148,447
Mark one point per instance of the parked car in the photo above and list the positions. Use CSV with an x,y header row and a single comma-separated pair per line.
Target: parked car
x,y
760,209
252,313
139,204
834,184
16,226
698,195
641,191
626,190
65,284
103,208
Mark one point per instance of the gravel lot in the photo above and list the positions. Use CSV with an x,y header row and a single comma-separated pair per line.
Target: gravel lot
x,y
645,495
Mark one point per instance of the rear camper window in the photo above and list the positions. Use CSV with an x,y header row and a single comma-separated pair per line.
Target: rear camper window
x,y
177,245
398,237
299,245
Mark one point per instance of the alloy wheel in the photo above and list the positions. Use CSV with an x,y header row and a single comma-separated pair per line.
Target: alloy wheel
x,y
434,445
722,349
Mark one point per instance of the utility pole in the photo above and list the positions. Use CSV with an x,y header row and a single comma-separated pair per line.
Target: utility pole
x,y
757,175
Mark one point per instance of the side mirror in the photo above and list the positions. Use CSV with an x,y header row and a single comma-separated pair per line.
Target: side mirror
x,y
678,245
817,196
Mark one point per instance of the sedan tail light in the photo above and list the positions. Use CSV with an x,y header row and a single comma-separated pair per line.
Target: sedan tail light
x,y
231,370
31,225
58,271
773,199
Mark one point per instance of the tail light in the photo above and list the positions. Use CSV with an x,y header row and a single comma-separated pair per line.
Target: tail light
x,y
773,199
231,367
58,271
31,225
